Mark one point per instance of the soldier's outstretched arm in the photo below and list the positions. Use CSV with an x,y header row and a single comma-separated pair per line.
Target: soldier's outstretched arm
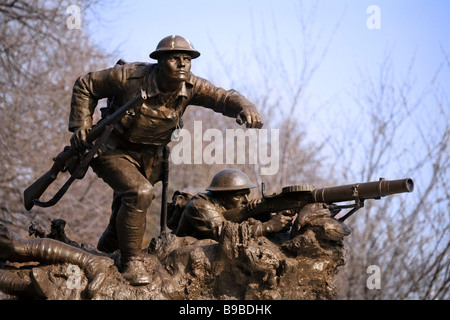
x,y
228,102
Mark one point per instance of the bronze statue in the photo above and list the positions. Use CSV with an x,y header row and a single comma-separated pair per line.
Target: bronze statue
x,y
131,161
229,189
128,150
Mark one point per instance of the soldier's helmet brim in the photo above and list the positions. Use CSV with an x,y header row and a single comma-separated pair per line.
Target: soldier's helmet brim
x,y
174,43
230,180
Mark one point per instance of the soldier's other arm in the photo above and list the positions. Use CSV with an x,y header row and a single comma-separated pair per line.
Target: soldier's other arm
x,y
230,103
87,91
200,219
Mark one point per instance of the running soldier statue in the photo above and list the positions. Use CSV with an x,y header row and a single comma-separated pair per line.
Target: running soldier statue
x,y
131,163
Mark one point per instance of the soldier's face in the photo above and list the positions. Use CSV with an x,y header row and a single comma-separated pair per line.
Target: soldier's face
x,y
236,199
175,66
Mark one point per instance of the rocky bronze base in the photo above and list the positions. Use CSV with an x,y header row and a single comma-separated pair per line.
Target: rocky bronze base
x,y
236,267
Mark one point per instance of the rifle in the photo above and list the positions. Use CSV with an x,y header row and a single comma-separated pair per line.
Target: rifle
x,y
98,134
296,197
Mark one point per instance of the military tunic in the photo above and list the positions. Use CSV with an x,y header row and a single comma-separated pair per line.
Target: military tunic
x,y
202,218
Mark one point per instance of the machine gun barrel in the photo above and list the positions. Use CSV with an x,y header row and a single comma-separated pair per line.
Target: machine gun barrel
x,y
296,197
368,190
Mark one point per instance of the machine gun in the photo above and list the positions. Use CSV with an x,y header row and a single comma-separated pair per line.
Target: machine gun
x,y
296,197
98,135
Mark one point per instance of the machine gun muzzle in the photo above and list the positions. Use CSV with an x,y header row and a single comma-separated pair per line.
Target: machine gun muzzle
x,y
363,191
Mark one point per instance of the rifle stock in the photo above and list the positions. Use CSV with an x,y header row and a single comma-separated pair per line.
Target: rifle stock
x,y
35,190
296,197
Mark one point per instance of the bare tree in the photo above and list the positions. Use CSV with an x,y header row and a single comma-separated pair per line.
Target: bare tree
x,y
403,133
40,60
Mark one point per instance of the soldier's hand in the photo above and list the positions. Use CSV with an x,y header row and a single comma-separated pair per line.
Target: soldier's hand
x,y
291,212
251,118
253,203
278,223
78,140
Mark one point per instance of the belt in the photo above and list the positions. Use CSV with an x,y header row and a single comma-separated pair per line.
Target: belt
x,y
115,141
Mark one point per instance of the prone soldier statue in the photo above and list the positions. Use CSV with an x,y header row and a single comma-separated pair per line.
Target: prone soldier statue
x,y
203,216
131,163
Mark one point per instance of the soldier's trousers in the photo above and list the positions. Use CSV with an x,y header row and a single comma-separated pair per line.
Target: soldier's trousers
x,y
131,174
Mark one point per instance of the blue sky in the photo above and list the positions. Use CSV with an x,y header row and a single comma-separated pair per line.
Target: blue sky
x,y
409,28
133,28
418,29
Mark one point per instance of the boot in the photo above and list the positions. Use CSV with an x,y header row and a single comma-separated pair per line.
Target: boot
x,y
130,229
133,270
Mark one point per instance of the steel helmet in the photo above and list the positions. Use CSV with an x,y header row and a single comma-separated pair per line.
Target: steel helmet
x,y
230,180
174,43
